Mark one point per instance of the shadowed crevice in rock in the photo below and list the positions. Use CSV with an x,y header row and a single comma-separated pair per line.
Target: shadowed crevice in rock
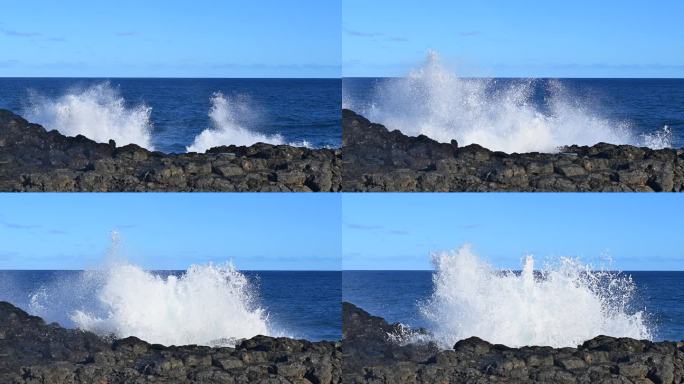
x,y
33,159
377,159
369,357
34,352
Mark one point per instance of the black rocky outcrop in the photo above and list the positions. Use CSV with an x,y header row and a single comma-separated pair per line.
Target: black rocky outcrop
x,y
33,159
376,159
32,352
372,159
369,356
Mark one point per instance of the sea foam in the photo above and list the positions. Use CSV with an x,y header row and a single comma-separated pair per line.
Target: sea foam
x,y
561,305
226,114
207,304
434,101
98,112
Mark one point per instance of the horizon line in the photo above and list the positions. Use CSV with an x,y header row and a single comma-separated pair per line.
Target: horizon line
x,y
512,270
170,270
527,77
167,77
333,78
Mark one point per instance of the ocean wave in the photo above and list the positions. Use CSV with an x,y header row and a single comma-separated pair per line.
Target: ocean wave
x,y
98,112
433,101
226,116
207,304
562,305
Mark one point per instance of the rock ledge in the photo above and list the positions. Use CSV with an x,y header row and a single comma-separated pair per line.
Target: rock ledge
x,y
602,359
32,352
32,159
376,159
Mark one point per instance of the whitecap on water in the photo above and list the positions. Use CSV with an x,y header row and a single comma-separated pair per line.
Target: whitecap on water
x,y
561,305
98,112
206,304
226,114
434,101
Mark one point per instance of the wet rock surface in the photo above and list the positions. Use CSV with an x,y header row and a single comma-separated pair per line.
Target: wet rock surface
x,y
602,359
376,159
34,352
33,159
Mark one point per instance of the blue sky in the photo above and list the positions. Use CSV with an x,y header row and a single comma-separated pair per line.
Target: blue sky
x,y
156,38
302,231
531,38
399,231
312,38
171,231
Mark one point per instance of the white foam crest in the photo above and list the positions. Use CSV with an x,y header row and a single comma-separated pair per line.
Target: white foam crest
x,y
434,101
561,306
225,115
208,305
98,112
659,139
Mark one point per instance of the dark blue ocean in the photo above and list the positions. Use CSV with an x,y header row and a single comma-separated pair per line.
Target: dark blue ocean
x,y
302,304
396,295
580,107
299,110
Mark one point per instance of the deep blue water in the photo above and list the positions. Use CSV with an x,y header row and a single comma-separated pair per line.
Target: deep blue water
x,y
302,304
395,295
645,104
298,109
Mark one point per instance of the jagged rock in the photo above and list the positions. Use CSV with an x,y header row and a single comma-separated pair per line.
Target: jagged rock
x,y
370,357
34,352
372,159
370,340
32,159
376,159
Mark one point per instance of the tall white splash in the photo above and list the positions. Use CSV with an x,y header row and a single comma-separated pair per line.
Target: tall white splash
x,y
225,115
98,112
434,101
562,306
206,305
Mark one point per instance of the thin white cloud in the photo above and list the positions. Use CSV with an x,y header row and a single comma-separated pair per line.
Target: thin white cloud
x,y
363,226
354,32
127,33
13,33
13,225
357,33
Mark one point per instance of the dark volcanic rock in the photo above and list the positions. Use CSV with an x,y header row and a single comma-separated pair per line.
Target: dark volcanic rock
x,y
32,159
33,352
375,159
602,359
369,340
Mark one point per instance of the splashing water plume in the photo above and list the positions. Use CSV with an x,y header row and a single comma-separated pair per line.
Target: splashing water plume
x,y
435,102
561,306
98,112
207,304
224,114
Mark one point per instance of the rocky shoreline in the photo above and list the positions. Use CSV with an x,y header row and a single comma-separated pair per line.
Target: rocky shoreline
x,y
372,351
33,159
33,352
370,355
377,159
372,159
